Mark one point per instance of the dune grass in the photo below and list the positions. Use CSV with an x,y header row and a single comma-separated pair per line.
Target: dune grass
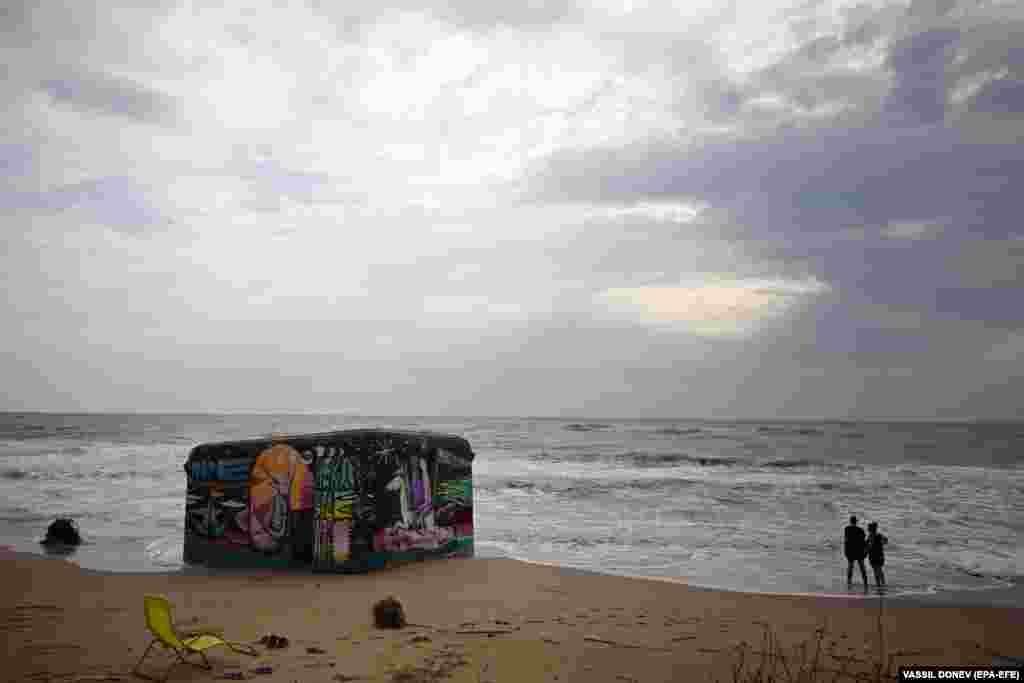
x,y
810,661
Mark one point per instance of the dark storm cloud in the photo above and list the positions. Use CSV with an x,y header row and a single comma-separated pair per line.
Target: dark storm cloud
x,y
823,179
918,64
111,95
1003,97
889,155
932,192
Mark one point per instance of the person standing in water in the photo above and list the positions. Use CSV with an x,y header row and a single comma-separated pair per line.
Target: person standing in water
x,y
854,549
876,553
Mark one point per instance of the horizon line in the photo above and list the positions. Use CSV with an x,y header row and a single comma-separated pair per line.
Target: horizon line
x,y
346,414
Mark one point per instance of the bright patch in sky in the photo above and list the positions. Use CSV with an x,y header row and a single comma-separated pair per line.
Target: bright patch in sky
x,y
714,308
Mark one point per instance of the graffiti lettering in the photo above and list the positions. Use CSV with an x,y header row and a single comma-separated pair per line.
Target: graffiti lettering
x,y
223,470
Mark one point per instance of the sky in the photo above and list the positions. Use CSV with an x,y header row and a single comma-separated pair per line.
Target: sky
x,y
654,209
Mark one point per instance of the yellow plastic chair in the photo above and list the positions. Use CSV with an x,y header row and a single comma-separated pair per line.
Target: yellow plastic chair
x,y
160,623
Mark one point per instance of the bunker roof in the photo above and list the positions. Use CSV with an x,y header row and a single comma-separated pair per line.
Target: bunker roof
x,y
455,444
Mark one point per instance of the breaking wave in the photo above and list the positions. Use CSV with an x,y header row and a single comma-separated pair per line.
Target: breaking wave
x,y
792,464
798,431
586,426
679,431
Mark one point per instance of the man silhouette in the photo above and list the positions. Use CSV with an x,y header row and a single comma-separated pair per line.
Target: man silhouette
x,y
854,542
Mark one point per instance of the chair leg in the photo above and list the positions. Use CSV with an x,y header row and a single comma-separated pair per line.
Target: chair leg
x,y
206,662
167,673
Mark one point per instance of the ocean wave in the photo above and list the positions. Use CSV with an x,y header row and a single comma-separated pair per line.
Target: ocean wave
x,y
521,485
585,488
638,459
843,487
586,426
23,515
679,431
785,464
16,474
797,431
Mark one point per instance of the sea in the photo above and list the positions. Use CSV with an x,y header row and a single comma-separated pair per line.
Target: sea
x,y
756,506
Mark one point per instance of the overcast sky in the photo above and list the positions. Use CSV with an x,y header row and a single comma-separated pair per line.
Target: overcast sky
x,y
666,209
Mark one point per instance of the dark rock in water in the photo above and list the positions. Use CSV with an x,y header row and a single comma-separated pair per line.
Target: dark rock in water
x,y
62,531
388,613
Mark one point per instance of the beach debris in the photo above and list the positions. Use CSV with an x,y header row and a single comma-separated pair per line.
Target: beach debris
x,y
486,632
420,639
436,668
233,676
605,641
315,651
262,670
62,531
274,641
388,613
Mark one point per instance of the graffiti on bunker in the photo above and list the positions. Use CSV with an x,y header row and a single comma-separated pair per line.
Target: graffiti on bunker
x,y
335,499
341,504
280,486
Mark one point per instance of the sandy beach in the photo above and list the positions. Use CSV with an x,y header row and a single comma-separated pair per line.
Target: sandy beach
x,y
470,620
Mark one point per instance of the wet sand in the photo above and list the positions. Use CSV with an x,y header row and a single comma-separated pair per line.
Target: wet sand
x,y
471,620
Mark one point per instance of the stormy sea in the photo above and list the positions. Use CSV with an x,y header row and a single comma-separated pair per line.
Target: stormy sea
x,y
751,506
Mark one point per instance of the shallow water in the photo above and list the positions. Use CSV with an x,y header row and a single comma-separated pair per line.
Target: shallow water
x,y
749,506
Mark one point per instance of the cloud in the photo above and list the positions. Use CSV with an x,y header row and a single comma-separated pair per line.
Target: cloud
x,y
116,202
554,207
1001,97
1008,351
918,63
111,95
910,230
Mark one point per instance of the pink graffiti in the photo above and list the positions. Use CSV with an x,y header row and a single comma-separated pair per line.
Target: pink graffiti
x,y
398,539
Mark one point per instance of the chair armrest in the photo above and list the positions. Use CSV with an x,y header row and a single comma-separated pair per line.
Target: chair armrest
x,y
191,630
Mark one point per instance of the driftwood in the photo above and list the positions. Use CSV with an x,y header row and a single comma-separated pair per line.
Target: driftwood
x,y
604,641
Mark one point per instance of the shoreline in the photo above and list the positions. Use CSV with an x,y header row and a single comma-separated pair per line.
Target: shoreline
x,y
1007,596
472,620
1010,595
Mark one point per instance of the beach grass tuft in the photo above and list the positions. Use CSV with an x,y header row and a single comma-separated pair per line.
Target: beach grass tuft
x,y
811,661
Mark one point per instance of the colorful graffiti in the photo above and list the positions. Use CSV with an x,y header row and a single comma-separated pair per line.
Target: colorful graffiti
x,y
336,505
270,484
218,512
335,499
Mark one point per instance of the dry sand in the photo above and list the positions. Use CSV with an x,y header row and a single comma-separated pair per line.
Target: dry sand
x,y
472,620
